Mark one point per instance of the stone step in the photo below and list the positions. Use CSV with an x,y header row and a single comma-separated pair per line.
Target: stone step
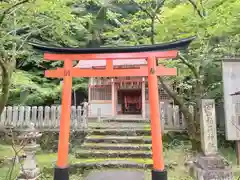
x,y
108,146
113,154
116,131
113,163
127,120
118,139
118,125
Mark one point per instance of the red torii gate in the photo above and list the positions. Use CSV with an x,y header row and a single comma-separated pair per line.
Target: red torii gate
x,y
150,53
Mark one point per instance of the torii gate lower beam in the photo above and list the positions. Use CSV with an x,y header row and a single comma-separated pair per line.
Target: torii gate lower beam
x,y
77,72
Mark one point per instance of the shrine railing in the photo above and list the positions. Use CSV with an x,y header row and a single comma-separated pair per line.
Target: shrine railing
x,y
47,118
44,118
172,119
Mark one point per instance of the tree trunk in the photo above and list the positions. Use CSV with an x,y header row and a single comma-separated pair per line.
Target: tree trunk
x,y
5,93
153,30
196,140
196,145
5,86
192,120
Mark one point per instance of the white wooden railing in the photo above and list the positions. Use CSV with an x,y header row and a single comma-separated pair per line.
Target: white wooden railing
x,y
172,118
46,117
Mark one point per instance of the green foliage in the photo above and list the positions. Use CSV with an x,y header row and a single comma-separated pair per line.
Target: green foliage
x,y
214,23
213,32
46,21
26,90
88,23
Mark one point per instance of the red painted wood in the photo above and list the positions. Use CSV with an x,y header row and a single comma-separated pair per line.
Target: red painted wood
x,y
142,72
109,65
157,146
65,120
151,71
139,55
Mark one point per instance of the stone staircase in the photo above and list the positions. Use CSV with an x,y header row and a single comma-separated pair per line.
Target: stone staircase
x,y
116,144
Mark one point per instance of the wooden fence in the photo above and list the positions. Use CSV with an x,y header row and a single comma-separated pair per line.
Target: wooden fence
x,y
46,117
171,118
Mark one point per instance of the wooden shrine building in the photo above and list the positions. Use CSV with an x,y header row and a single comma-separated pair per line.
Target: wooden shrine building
x,y
119,96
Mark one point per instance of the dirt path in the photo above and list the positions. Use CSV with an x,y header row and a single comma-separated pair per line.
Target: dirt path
x,y
116,175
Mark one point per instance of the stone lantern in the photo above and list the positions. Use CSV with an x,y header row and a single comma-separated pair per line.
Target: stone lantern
x,y
29,170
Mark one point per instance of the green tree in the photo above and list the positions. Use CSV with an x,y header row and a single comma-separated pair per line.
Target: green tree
x,y
211,24
214,24
46,21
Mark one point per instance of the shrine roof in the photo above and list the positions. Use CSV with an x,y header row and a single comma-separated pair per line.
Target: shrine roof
x,y
180,44
118,62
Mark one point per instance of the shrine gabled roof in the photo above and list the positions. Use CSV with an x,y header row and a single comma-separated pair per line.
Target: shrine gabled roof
x,y
117,62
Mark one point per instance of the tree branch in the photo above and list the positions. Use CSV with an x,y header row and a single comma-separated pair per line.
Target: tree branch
x,y
143,9
158,19
158,6
189,65
5,12
19,31
196,8
29,36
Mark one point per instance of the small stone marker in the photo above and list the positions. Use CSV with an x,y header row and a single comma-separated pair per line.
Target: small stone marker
x,y
208,127
116,175
210,165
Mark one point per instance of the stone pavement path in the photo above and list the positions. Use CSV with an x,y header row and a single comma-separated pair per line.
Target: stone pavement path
x,y
116,175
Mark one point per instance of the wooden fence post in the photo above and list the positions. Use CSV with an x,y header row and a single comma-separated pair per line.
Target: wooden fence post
x,y
27,118
21,116
15,116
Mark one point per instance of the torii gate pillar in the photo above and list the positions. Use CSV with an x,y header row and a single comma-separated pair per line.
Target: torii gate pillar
x,y
158,172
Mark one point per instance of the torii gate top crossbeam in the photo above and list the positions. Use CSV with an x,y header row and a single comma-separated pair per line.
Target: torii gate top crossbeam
x,y
180,44
164,50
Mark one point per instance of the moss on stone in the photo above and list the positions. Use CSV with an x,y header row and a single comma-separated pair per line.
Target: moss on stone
x,y
90,160
123,144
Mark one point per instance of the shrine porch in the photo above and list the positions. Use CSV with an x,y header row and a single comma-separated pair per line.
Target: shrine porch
x,y
104,109
112,98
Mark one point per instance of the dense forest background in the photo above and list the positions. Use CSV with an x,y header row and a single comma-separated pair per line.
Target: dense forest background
x,y
95,23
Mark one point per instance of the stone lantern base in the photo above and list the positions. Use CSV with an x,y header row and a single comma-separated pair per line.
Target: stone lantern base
x,y
213,167
29,174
